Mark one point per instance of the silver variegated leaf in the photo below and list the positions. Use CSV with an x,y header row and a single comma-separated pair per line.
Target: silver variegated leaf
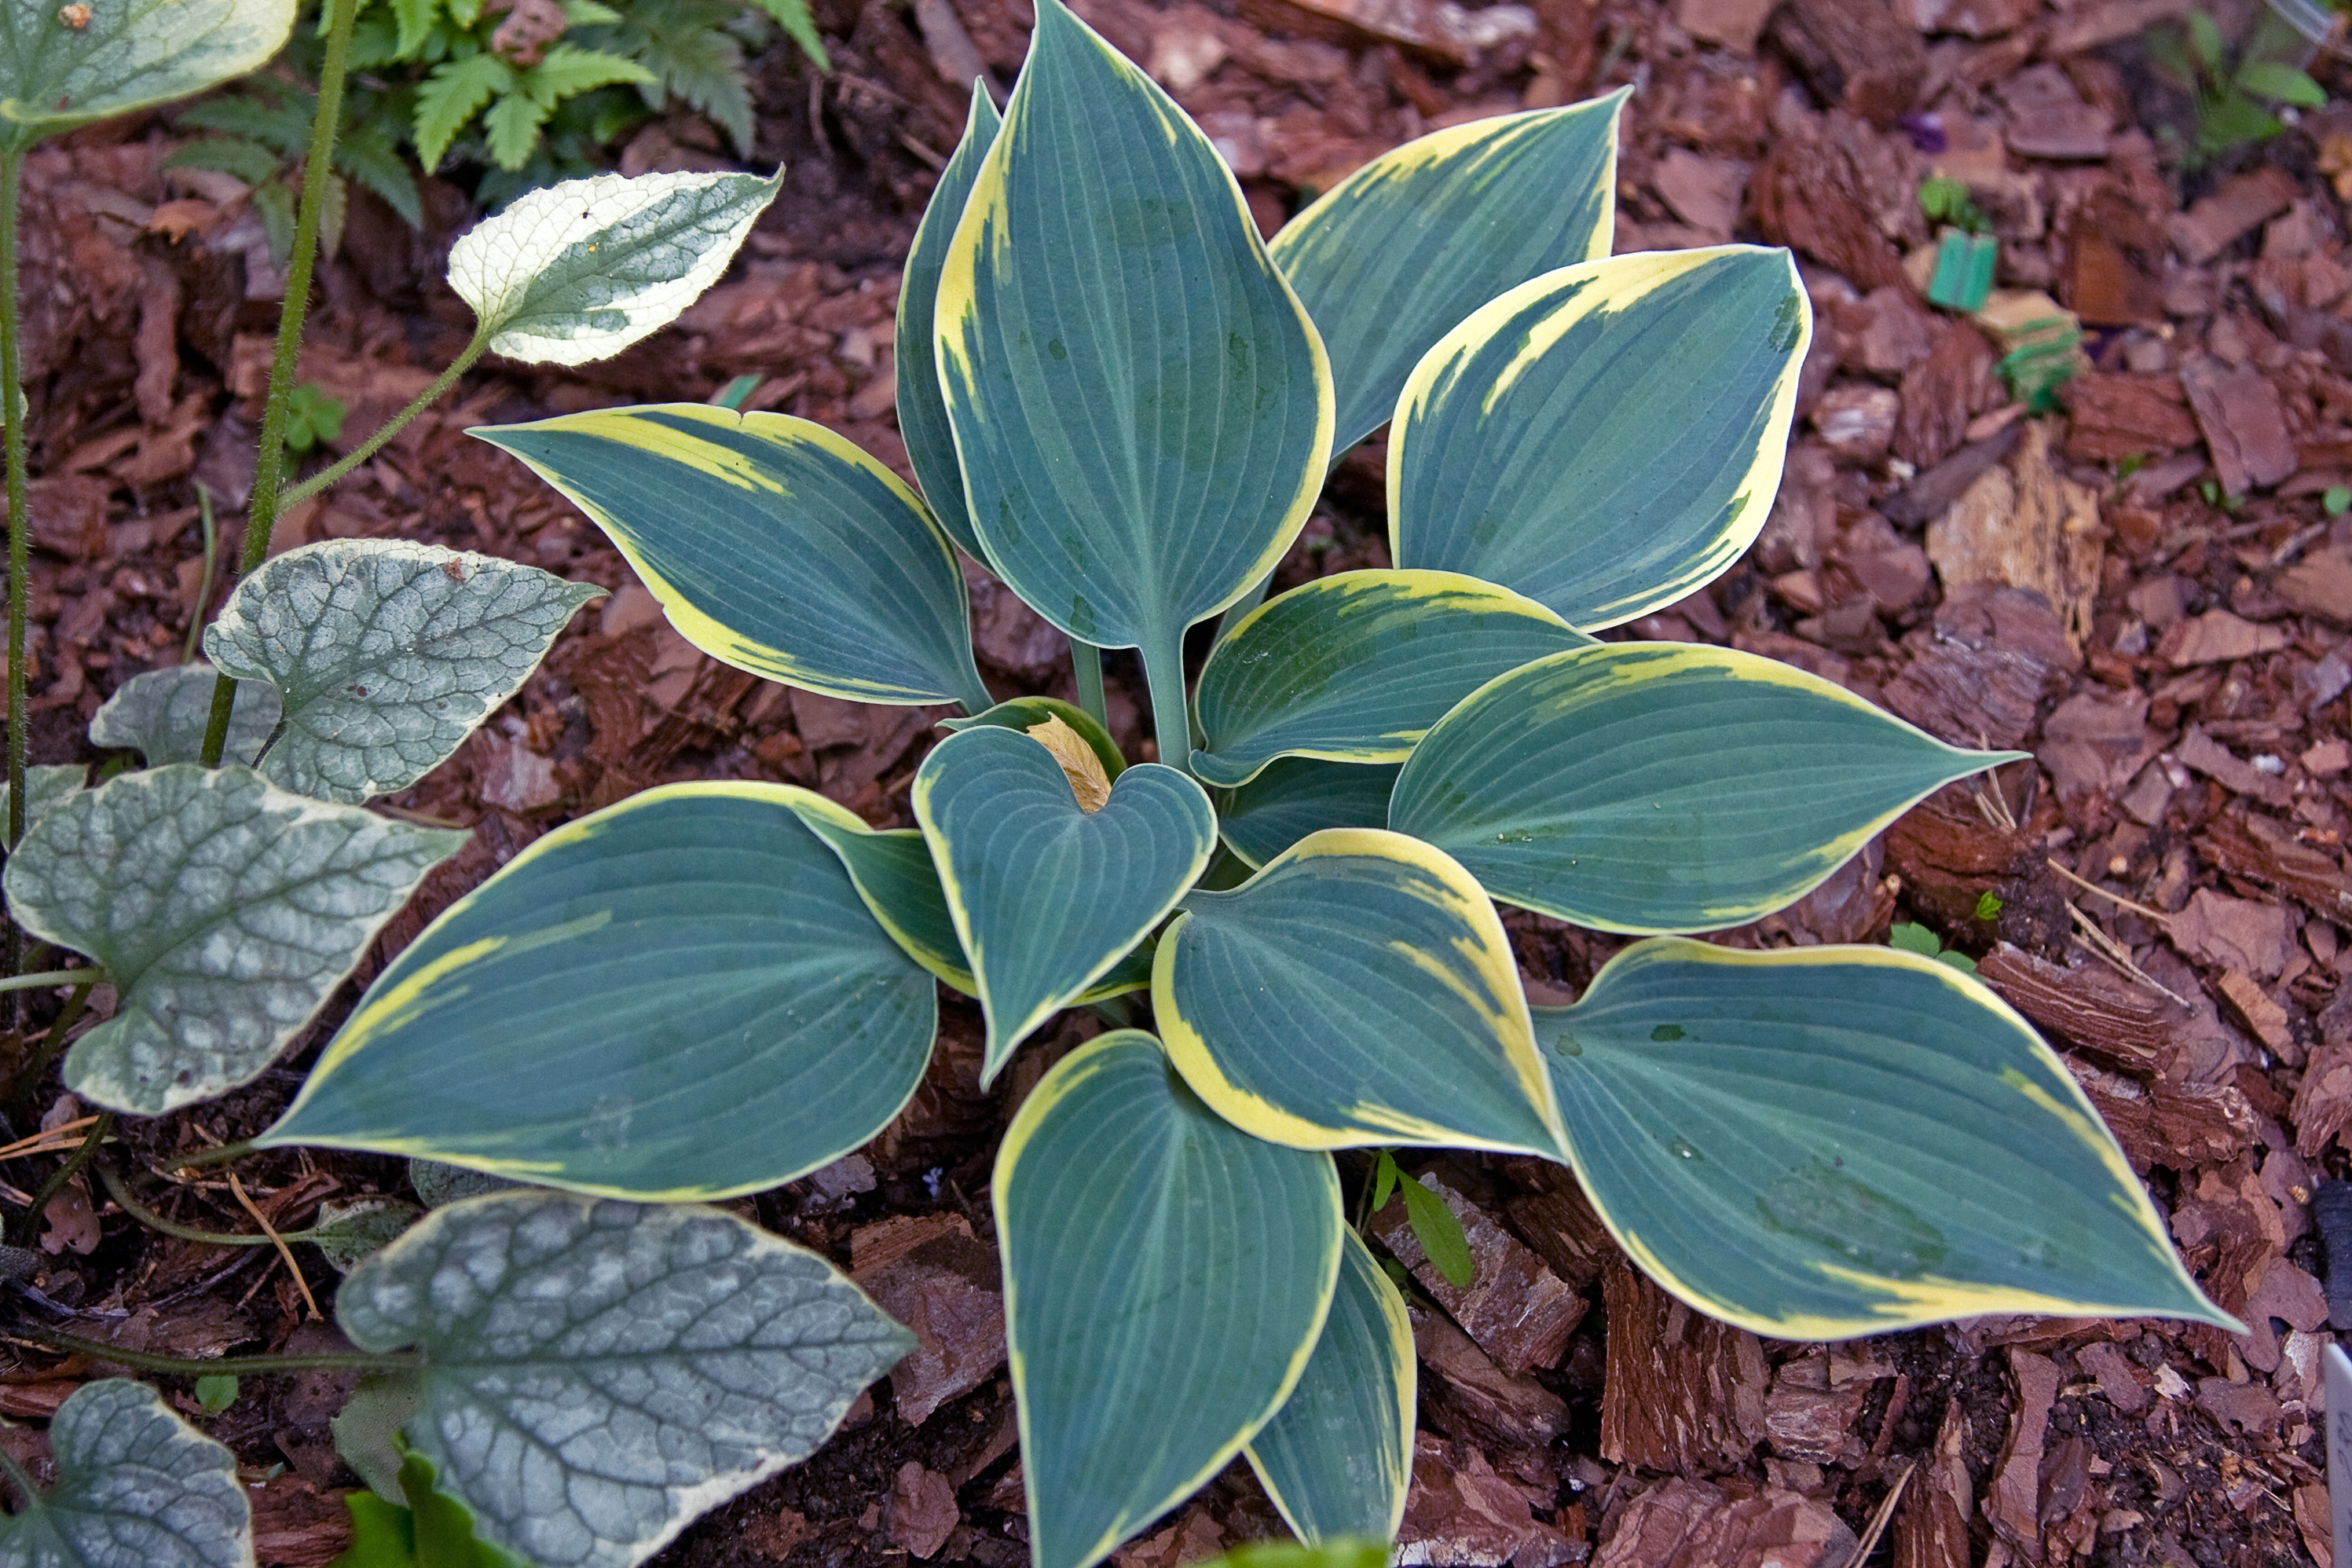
x,y
137,1488
161,716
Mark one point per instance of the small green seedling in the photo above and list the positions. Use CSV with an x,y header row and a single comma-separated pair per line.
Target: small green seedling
x,y
215,1392
1434,1225
311,416
1988,905
1966,255
1913,938
2237,95
2336,501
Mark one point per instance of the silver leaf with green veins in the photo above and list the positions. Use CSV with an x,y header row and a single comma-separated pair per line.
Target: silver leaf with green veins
x,y
126,55
224,910
44,787
596,1374
137,1488
161,716
386,654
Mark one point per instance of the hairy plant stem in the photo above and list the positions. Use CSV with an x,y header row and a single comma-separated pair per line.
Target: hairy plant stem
x,y
120,1191
207,1366
36,1066
1085,660
269,475
20,519
392,426
99,1131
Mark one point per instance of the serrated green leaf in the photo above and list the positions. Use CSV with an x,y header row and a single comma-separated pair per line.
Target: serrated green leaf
x,y
126,55
416,17
137,1488
567,69
800,25
226,912
1295,796
922,404
596,1374
450,96
161,715
365,153
1912,938
511,127
1439,1231
685,45
387,653
236,156
44,787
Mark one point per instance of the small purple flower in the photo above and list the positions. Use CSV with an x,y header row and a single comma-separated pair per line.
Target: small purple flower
x,y
1925,131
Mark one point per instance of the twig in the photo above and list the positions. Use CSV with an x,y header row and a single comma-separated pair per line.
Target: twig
x,y
278,1241
50,1141
1880,1520
101,1125
2158,916
2104,946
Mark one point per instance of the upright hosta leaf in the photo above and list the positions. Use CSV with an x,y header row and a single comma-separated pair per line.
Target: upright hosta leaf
x,y
1293,796
922,408
597,1374
1143,408
1166,1277
681,996
1392,256
226,912
1820,1143
1605,438
1358,991
773,545
137,1488
1355,668
581,270
44,787
1046,895
162,714
1337,1458
124,55
1662,787
385,654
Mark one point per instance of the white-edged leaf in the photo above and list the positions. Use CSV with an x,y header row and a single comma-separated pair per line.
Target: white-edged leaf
x,y
581,270
161,716
44,787
596,1373
224,910
125,55
137,1488
386,654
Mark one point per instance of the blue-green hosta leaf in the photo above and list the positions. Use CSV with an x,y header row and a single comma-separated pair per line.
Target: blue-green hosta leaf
x,y
1357,992
137,1488
1293,796
1046,895
44,787
1337,1458
1142,405
922,407
385,655
1606,439
1355,668
1820,1143
125,55
1392,256
226,912
773,545
681,996
1661,786
581,270
1021,712
1166,1276
597,1374
161,715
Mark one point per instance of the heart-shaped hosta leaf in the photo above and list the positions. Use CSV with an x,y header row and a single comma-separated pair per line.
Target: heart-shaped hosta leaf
x,y
137,1488
1355,668
1359,991
385,655
1024,712
1819,1142
1166,1277
1295,796
1045,895
581,270
922,408
44,787
597,1374
224,911
1337,1458
773,545
161,715
1663,786
681,996
1393,256
1143,408
1605,438
123,55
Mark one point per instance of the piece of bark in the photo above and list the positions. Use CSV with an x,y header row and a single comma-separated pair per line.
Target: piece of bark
x,y
2323,1102
2123,414
1682,1523
1515,1307
2218,221
921,1513
1681,1390
1458,1513
2026,526
1437,27
1943,393
1810,1416
2217,636
2120,1026
1853,54
2096,742
2263,850
1737,25
2118,1379
1703,192
1556,1218
1978,675
2244,425
933,1274
2246,935
2177,1125
1969,18
2012,1497
1949,857
1931,1525
2200,752
1472,1399
2115,262
2319,584
1931,495
2048,119
1811,195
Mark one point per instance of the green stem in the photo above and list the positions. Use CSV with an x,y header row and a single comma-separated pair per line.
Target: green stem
x,y
20,518
56,977
1087,660
120,1191
220,1156
269,475
66,1172
1171,725
392,426
29,1075
206,1366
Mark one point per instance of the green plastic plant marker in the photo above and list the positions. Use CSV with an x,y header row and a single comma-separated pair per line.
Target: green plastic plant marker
x,y
1820,1143
161,713
1651,787
126,55
1166,1278
1964,270
682,997
1605,438
922,406
1293,796
1336,1553
1359,991
137,1488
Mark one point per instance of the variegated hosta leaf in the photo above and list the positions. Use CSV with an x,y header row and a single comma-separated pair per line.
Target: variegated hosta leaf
x,y
773,545
1046,896
1337,1458
1662,787
922,408
597,1374
1355,668
1023,712
1819,1142
1166,1277
681,996
1142,405
124,55
1606,439
385,655
161,715
1392,256
581,270
1293,796
137,1488
224,911
44,787
1359,991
